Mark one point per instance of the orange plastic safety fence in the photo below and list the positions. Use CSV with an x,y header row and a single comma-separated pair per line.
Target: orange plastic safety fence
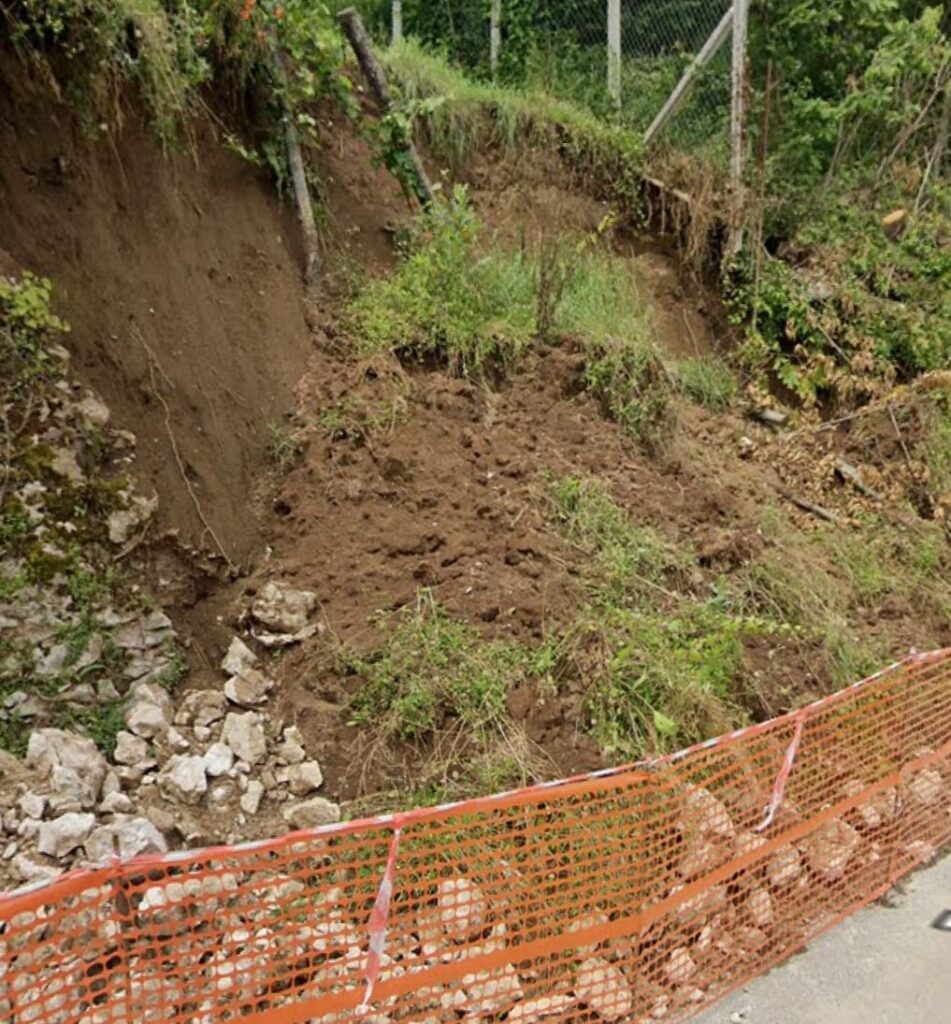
x,y
639,894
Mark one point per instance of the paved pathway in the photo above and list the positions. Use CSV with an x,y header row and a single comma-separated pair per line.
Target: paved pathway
x,y
884,965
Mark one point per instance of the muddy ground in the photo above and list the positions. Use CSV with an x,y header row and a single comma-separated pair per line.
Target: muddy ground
x,y
433,482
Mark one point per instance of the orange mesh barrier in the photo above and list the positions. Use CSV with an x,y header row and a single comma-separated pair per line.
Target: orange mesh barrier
x,y
634,895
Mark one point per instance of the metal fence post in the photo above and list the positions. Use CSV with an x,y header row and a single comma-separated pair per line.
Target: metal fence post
x,y
495,35
614,51
741,10
397,12
675,100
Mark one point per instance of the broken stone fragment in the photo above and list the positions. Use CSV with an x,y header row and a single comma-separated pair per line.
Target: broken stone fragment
x,y
125,837
32,805
93,411
249,688
122,522
311,813
29,871
530,1010
251,798
680,966
74,766
51,662
218,759
183,779
116,803
238,657
130,749
304,778
59,837
462,907
201,708
829,849
244,734
291,749
148,631
282,608
150,710
64,464
603,987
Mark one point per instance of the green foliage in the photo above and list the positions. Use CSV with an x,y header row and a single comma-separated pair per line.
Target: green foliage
x,y
824,583
26,326
707,380
172,49
477,311
101,723
663,668
938,445
857,128
91,45
465,114
430,669
629,560
660,682
631,383
450,303
868,309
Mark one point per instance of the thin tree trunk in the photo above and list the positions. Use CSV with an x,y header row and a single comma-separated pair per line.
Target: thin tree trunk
x,y
295,160
356,33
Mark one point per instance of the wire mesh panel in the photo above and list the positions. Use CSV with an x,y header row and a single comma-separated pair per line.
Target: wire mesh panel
x,y
568,48
660,41
630,895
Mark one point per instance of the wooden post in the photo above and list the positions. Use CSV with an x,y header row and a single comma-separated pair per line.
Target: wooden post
x,y
741,9
614,51
356,33
397,12
295,161
495,35
682,90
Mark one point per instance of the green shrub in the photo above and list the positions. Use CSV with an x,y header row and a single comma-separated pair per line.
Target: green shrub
x,y
448,303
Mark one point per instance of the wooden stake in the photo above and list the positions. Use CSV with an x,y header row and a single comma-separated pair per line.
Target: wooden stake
x,y
356,33
295,160
397,30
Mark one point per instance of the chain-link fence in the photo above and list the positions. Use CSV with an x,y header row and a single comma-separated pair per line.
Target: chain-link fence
x,y
623,59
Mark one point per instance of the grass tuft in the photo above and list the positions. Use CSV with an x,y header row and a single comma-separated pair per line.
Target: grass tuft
x,y
708,381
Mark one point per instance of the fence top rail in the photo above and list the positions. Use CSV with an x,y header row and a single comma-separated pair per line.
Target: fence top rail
x,y
28,898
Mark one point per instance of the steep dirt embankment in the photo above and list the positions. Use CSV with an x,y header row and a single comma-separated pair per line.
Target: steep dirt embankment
x,y
188,256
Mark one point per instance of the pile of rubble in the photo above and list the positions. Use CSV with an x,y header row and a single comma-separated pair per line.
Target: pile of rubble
x,y
89,664
179,766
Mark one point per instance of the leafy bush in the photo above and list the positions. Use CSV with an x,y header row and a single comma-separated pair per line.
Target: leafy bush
x,y
448,302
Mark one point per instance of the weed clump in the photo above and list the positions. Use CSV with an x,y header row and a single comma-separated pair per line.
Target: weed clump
x,y
450,303
432,668
708,381
477,311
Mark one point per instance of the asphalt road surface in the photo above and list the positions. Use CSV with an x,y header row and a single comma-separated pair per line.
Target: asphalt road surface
x,y
884,965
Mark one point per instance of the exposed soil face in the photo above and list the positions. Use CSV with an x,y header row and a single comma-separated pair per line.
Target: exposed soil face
x,y
179,275
188,256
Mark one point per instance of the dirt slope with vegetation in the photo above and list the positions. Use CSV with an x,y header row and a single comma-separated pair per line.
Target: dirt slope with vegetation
x,y
502,500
